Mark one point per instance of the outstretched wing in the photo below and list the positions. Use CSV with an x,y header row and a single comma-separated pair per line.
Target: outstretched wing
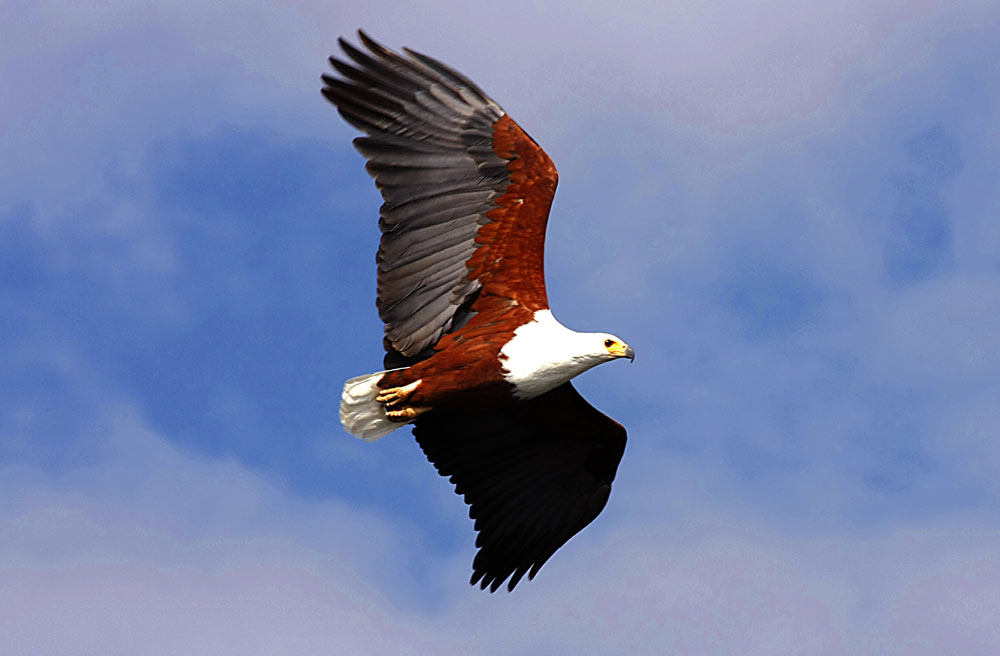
x,y
467,192
535,474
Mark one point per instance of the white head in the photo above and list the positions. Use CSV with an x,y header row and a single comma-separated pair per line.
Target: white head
x,y
544,354
612,348
585,350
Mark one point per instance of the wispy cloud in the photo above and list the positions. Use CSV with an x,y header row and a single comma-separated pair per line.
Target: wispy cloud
x,y
153,550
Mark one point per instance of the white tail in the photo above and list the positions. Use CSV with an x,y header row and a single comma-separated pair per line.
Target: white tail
x,y
361,415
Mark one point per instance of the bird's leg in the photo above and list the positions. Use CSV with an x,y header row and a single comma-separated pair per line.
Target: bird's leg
x,y
394,396
405,414
394,400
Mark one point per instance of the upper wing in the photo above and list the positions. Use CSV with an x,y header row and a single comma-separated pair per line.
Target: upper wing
x,y
467,192
534,474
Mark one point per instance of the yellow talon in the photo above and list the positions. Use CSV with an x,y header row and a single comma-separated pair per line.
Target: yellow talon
x,y
405,414
397,395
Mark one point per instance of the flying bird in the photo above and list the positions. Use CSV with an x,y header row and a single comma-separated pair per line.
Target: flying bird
x,y
475,360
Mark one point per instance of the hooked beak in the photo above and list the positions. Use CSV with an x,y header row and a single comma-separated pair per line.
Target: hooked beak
x,y
620,350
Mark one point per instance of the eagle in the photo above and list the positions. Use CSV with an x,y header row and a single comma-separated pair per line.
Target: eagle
x,y
475,360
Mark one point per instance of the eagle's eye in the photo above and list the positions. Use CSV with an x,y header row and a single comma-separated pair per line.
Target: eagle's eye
x,y
608,343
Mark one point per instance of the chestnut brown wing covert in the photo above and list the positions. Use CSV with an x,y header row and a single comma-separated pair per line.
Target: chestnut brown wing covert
x,y
467,192
534,474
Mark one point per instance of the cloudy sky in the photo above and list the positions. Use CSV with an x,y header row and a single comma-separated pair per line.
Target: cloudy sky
x,y
788,208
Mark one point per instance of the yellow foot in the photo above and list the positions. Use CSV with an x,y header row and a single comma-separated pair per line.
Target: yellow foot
x,y
405,414
396,396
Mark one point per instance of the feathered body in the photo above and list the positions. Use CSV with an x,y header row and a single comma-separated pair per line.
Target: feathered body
x,y
475,359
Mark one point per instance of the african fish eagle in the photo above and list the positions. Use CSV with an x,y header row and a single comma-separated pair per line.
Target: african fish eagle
x,y
475,360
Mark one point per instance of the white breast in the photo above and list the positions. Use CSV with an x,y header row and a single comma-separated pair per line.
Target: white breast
x,y
544,354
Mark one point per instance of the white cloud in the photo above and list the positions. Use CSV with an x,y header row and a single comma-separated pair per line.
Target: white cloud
x,y
150,550
731,117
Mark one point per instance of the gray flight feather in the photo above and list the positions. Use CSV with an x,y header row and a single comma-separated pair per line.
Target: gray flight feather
x,y
429,148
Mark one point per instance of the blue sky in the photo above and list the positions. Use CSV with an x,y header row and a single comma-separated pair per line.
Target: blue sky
x,y
789,210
